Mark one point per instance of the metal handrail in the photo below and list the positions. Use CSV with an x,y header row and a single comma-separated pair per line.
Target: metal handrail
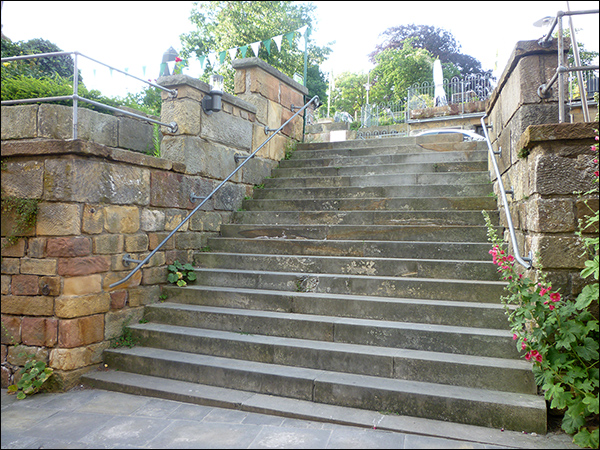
x,y
75,97
544,91
526,262
126,258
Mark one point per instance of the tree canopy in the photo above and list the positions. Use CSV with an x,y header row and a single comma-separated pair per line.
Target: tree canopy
x,y
438,42
222,25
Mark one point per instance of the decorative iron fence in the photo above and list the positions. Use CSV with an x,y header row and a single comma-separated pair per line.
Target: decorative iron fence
x,y
422,95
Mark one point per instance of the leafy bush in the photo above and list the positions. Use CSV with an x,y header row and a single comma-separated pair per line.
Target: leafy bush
x,y
181,274
33,376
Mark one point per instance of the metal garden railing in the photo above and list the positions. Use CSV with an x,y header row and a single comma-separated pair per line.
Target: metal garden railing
x,y
127,259
76,98
545,90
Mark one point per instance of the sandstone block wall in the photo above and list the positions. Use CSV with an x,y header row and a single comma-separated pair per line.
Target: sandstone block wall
x,y
545,163
99,203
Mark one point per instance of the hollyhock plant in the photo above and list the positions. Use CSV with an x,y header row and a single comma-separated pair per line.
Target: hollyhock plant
x,y
559,336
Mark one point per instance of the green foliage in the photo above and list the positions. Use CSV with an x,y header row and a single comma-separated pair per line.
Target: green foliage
x,y
222,25
148,101
126,339
181,274
26,210
290,147
398,69
33,375
349,94
439,43
559,335
36,68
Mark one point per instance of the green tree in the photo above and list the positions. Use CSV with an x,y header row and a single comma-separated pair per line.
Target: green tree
x,y
349,94
439,42
397,69
36,68
222,25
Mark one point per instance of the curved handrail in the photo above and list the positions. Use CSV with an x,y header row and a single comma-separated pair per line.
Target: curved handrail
x,y
315,99
526,262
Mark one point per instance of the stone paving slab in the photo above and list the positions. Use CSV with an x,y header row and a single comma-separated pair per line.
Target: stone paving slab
x,y
94,418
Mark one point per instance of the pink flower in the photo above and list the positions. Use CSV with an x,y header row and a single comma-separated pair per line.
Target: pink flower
x,y
523,346
533,354
515,337
543,291
178,59
555,297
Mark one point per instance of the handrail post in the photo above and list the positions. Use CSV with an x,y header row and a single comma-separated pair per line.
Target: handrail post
x,y
561,77
75,94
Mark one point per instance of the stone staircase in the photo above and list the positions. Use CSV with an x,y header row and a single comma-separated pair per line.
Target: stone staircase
x,y
357,277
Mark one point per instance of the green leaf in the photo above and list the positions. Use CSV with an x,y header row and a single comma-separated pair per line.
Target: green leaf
x,y
585,439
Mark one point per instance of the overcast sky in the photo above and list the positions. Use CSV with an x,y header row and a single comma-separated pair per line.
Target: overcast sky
x,y
134,35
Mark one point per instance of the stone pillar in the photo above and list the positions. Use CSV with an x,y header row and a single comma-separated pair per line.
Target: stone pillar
x,y
543,162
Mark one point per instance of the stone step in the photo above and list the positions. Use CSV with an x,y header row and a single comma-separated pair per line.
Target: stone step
x,y
481,407
284,407
372,204
478,291
370,149
354,192
418,218
388,180
373,266
385,159
401,141
499,374
353,248
435,312
423,233
380,169
486,342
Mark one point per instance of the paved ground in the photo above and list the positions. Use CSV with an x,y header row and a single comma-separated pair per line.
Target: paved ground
x,y
93,418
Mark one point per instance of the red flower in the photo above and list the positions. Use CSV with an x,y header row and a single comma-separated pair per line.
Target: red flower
x,y
178,59
555,297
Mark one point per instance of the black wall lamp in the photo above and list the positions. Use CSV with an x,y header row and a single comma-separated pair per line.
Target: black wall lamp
x,y
212,101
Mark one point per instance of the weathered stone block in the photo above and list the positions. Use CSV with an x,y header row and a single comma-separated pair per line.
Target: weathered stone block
x,y
85,265
38,266
18,355
27,305
152,220
115,277
154,239
118,299
550,215
80,331
206,221
559,252
23,179
558,175
19,121
154,275
234,132
69,246
107,244
74,358
173,218
136,243
39,331
116,320
82,285
25,285
10,265
55,121
166,190
187,113
50,285
143,295
190,240
17,249
68,307
58,219
121,219
135,135
11,330
5,284
37,247
230,197
98,127
93,219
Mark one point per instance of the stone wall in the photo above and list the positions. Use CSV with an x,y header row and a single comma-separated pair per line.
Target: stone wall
x,y
544,163
49,121
99,203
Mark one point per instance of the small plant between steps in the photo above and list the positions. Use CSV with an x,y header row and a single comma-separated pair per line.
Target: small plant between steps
x,y
181,274
33,376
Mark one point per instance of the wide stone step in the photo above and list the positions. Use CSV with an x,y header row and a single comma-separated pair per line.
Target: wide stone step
x,y
420,399
372,204
388,180
478,291
350,149
400,141
457,370
373,266
385,159
380,169
353,192
419,218
407,335
353,248
428,233
435,312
